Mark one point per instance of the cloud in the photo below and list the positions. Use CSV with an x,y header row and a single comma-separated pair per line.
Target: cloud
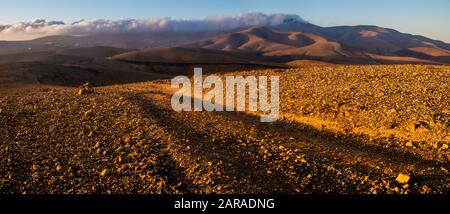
x,y
41,27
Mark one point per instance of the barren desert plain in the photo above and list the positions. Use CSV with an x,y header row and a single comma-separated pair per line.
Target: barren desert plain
x,y
342,129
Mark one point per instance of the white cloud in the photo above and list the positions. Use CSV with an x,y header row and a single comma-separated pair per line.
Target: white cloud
x,y
41,27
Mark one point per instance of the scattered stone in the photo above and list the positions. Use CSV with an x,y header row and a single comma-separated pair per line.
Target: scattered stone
x,y
444,147
402,178
425,189
425,124
35,167
158,142
36,176
88,113
85,89
104,173
409,144
127,139
97,145
58,167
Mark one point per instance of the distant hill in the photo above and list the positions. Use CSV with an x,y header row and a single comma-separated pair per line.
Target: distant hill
x,y
134,57
360,44
122,41
72,68
189,55
284,43
94,52
182,60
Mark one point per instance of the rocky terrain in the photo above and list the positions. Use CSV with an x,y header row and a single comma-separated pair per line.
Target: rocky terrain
x,y
344,129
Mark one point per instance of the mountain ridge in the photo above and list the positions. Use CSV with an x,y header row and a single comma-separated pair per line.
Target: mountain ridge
x,y
289,41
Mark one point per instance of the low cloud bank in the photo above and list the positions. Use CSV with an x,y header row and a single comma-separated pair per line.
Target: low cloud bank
x,y
41,27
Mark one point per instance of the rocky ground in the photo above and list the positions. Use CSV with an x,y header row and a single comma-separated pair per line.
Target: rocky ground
x,y
344,129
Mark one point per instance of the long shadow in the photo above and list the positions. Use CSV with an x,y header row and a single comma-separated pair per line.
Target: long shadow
x,y
323,140
355,143
329,139
201,147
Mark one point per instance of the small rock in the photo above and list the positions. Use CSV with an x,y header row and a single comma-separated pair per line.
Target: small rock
x,y
97,145
35,167
104,173
425,189
402,178
425,124
58,167
36,176
444,147
85,90
127,139
409,144
88,113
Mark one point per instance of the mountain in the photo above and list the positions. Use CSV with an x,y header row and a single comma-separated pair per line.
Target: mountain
x,y
290,41
123,41
182,60
48,56
184,55
357,44
283,45
72,67
389,42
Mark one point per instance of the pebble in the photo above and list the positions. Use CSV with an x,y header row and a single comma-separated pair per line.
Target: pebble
x,y
127,139
402,178
104,173
88,113
85,90
409,144
36,176
35,167
97,145
58,167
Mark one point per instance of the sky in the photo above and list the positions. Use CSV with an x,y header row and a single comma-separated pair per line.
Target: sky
x,y
423,17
